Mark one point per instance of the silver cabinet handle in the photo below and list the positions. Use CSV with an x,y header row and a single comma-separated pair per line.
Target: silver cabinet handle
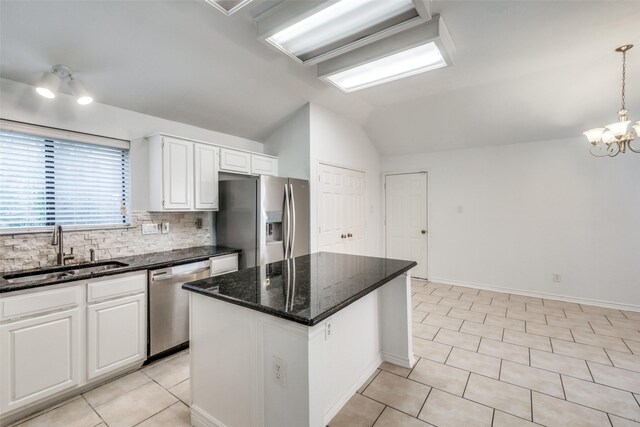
x,y
293,217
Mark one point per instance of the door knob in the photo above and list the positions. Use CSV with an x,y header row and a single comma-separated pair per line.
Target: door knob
x,y
424,231
349,235
342,236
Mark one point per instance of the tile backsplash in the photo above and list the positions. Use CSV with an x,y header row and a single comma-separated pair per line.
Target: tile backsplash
x,y
24,251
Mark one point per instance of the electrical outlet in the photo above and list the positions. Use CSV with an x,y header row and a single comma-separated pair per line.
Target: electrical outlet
x,y
150,229
557,278
165,227
328,330
279,371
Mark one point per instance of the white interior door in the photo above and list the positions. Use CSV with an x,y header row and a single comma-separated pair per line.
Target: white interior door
x,y
406,219
341,220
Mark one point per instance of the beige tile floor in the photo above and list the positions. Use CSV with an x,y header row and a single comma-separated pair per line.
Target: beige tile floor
x,y
496,359
483,359
156,395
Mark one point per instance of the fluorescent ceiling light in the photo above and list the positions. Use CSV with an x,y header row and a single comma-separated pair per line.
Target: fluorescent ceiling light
x,y
393,67
228,7
306,31
419,49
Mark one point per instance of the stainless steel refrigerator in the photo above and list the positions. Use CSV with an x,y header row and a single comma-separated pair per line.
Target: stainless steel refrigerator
x,y
267,217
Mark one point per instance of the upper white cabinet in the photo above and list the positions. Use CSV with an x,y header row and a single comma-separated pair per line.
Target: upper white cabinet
x,y
235,161
177,174
183,175
264,165
206,177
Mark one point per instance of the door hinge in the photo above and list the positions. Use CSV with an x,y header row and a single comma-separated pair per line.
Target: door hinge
x,y
163,203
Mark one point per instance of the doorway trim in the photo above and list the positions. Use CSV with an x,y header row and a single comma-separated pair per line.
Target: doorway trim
x,y
384,210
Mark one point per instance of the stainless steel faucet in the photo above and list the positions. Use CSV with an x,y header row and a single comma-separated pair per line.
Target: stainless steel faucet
x,y
57,238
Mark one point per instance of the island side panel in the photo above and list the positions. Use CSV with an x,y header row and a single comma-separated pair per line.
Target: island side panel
x,y
395,318
223,363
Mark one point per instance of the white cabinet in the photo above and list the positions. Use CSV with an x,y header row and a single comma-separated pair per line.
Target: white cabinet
x,y
224,264
206,176
39,357
177,174
235,161
58,339
264,165
115,334
116,322
183,175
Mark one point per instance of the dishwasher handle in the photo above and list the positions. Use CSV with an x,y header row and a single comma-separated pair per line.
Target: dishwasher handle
x,y
165,276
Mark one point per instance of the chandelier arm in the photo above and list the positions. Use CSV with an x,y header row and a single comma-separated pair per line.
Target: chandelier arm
x,y
613,150
601,149
630,146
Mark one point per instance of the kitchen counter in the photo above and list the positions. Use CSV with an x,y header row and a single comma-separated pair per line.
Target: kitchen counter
x,y
305,289
289,343
146,261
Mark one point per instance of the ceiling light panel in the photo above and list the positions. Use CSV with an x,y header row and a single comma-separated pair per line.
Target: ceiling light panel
x,y
312,31
393,67
423,48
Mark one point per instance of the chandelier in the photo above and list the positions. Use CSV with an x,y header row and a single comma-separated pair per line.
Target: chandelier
x,y
617,137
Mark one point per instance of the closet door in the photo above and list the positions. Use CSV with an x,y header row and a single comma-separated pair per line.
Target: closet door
x,y
341,195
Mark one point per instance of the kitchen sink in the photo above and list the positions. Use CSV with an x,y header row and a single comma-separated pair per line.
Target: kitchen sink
x,y
47,275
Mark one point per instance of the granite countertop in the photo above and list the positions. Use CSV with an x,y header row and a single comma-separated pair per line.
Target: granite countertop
x,y
305,289
133,263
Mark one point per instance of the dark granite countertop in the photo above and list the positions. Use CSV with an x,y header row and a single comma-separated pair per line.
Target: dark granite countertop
x,y
133,263
305,289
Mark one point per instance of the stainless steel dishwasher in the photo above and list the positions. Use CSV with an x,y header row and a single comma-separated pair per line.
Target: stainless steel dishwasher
x,y
169,305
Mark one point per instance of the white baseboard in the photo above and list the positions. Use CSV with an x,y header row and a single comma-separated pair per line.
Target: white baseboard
x,y
400,361
599,303
342,400
200,418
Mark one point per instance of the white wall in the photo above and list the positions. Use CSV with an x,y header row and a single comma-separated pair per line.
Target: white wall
x,y
20,102
531,210
341,142
291,143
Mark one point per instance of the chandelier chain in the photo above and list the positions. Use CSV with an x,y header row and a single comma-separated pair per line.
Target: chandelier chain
x,y
624,75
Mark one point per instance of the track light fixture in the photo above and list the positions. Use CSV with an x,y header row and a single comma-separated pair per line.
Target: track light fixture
x,y
50,83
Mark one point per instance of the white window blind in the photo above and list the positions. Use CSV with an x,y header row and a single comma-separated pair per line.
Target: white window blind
x,y
49,181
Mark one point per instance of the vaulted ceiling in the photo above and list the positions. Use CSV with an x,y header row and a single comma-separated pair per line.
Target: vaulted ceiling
x,y
523,70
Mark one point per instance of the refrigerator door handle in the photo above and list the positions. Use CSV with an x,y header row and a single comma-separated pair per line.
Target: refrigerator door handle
x,y
292,232
287,233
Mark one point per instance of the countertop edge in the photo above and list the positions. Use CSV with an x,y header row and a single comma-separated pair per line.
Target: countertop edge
x,y
6,288
306,322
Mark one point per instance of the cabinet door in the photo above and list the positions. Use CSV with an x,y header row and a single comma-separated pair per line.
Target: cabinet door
x,y
262,165
177,174
235,161
116,332
39,357
206,176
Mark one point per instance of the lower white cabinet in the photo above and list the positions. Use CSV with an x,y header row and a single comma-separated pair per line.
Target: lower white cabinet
x,y
58,339
39,357
115,334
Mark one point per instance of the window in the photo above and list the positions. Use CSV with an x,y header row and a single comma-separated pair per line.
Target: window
x,y
50,177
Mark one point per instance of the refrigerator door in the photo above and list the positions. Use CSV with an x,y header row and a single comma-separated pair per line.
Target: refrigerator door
x,y
274,219
299,237
236,221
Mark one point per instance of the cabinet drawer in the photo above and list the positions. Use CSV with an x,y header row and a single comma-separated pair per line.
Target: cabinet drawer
x,y
235,161
116,286
262,165
39,302
224,264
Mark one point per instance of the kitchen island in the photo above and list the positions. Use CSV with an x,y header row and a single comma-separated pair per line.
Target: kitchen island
x,y
288,343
